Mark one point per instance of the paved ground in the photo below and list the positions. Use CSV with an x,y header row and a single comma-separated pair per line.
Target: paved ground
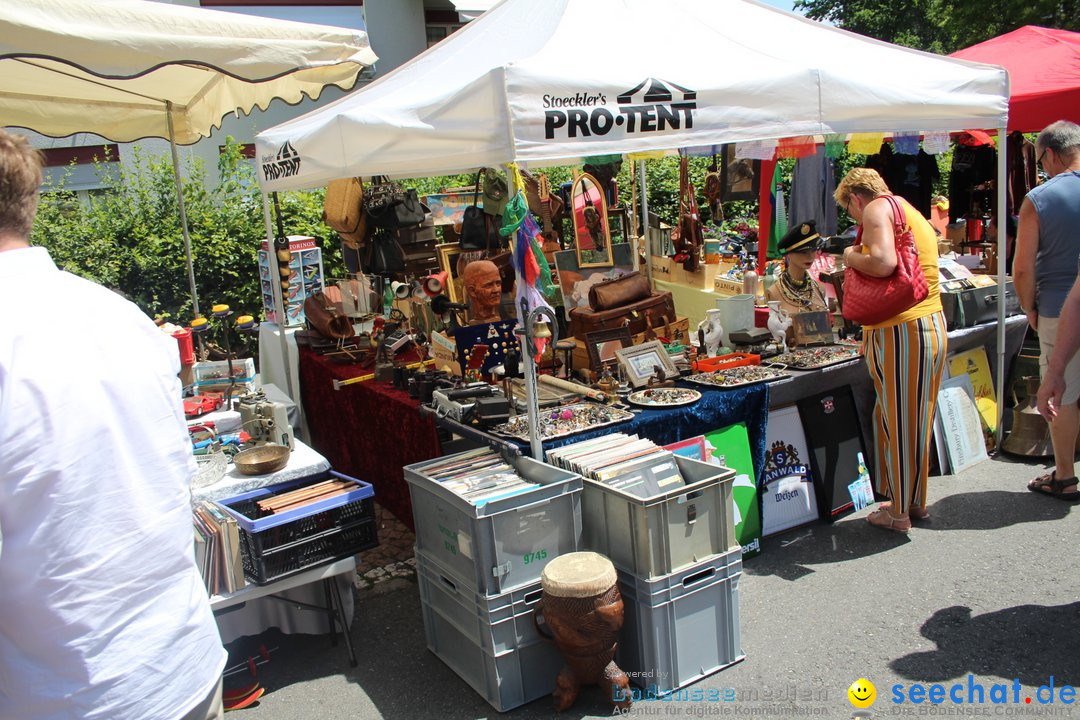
x,y
989,588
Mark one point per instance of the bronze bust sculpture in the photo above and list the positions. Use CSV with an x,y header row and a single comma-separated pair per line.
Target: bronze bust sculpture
x,y
483,285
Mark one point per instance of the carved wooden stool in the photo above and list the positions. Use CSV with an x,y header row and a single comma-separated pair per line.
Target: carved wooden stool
x,y
582,606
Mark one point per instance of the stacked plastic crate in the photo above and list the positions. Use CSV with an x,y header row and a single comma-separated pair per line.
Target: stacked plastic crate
x,y
679,568
478,567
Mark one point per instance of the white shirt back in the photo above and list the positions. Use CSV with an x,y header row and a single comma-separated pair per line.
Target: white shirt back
x,y
102,610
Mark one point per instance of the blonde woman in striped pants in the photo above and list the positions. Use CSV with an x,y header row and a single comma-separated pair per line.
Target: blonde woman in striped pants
x,y
905,355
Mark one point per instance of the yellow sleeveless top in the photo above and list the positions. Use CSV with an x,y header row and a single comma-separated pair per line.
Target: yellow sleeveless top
x,y
926,244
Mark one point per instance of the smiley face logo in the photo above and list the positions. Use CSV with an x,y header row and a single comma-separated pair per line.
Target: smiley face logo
x,y
862,693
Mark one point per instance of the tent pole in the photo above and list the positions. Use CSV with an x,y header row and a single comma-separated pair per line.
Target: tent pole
x,y
183,210
1001,257
643,190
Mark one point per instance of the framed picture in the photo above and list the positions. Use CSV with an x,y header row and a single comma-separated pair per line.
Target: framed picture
x,y
455,288
640,362
691,448
575,280
739,179
813,328
603,344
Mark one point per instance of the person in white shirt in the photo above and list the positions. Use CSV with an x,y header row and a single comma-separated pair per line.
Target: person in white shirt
x,y
103,614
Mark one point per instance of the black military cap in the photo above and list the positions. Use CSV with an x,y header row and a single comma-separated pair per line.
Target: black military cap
x,y
800,238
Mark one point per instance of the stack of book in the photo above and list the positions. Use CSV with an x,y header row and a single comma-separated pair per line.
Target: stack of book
x,y
479,476
217,549
627,463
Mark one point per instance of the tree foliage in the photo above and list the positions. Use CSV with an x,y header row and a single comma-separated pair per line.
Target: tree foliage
x,y
941,26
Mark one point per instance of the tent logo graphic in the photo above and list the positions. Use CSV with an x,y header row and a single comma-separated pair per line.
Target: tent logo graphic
x,y
285,163
650,106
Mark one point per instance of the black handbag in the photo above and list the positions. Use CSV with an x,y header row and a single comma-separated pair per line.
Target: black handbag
x,y
389,207
385,256
474,227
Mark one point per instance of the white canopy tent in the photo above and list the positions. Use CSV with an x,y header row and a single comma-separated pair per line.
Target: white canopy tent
x,y
544,83
127,70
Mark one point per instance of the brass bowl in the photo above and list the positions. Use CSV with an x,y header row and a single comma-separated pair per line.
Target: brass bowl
x,y
261,460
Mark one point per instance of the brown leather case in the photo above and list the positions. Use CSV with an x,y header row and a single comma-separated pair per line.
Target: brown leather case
x,y
638,317
325,314
623,290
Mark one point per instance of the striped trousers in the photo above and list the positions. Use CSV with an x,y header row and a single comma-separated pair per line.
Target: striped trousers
x,y
906,362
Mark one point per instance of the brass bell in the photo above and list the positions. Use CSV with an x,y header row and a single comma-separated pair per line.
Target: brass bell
x,y
541,331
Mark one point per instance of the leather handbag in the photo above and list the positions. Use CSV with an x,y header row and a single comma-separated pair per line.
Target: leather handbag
x,y
343,210
690,232
385,256
620,291
474,226
327,316
870,300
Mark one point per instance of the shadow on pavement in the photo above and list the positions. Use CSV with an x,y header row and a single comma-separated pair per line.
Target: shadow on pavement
x,y
994,509
789,555
1025,642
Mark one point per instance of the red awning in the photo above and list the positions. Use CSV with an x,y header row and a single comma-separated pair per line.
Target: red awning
x,y
1044,74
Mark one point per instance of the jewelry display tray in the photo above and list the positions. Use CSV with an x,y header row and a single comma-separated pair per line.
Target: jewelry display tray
x,y
801,365
696,379
618,416
660,406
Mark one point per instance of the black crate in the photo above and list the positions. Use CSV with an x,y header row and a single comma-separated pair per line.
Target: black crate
x,y
263,566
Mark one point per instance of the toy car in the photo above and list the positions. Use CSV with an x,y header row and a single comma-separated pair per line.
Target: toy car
x,y
199,405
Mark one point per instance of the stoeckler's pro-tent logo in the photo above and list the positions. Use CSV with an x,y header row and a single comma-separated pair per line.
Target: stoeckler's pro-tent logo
x,y
285,163
650,106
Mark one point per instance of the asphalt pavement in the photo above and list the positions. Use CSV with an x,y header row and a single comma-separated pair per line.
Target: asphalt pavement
x,y
984,594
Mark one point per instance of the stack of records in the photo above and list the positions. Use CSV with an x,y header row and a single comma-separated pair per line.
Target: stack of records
x,y
479,476
627,463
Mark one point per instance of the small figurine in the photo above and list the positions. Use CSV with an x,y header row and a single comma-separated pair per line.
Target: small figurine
x,y
779,322
711,332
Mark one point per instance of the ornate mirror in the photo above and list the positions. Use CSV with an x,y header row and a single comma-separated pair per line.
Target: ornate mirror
x,y
590,216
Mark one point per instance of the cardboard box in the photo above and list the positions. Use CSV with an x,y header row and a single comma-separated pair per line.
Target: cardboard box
x,y
666,269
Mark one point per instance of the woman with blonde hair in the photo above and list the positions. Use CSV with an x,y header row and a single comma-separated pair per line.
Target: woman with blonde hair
x,y
905,354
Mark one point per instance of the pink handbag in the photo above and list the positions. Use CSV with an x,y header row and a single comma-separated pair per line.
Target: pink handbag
x,y
871,300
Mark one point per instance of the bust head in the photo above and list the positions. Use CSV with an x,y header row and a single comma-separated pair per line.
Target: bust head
x,y
483,285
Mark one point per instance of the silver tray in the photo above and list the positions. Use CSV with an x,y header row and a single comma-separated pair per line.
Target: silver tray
x,y
640,398
735,374
804,358
518,426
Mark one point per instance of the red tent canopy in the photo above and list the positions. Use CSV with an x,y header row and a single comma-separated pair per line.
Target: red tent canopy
x,y
1044,74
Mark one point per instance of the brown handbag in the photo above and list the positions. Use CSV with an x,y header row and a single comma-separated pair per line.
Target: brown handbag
x,y
343,210
623,290
325,313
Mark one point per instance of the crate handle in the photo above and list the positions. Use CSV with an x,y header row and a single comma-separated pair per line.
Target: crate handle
x,y
533,597
449,583
691,496
698,577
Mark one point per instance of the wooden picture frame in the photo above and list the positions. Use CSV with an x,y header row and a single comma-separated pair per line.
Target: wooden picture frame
x,y
740,179
601,346
639,361
812,328
589,216
455,286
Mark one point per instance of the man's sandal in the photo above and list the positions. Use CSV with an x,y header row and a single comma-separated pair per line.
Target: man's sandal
x,y
882,519
1049,485
917,514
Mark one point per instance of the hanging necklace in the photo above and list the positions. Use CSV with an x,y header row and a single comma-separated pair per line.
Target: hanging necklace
x,y
798,294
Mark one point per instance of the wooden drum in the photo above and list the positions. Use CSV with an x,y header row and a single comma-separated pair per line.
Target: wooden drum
x,y
582,607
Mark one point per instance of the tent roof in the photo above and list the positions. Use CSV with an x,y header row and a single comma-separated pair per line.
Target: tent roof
x,y
547,82
109,66
1044,74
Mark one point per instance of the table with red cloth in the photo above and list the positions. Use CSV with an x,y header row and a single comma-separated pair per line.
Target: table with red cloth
x,y
369,430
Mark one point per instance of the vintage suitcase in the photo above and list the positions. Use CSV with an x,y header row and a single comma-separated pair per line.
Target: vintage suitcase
x,y
637,316
966,305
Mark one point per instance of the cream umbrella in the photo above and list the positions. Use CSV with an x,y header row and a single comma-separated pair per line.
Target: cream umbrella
x,y
133,69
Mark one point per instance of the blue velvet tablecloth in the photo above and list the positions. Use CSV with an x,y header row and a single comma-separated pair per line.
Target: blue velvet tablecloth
x,y
715,410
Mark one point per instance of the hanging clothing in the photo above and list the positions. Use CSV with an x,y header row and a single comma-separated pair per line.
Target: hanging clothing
x,y
812,186
972,165
911,177
1020,168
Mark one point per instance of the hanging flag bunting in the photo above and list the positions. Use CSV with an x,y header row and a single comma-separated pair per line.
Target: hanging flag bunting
x,y
755,150
906,142
935,143
795,147
533,272
865,143
834,145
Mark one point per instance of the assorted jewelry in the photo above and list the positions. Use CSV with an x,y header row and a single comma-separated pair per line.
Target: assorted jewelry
x,y
566,420
664,397
738,376
812,358
800,294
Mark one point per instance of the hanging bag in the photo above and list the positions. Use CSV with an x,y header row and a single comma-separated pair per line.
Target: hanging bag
x,y
474,227
870,300
385,256
343,210
690,233
390,207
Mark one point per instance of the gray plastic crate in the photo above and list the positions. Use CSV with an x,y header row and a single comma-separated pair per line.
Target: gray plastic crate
x,y
681,628
491,642
506,543
654,537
